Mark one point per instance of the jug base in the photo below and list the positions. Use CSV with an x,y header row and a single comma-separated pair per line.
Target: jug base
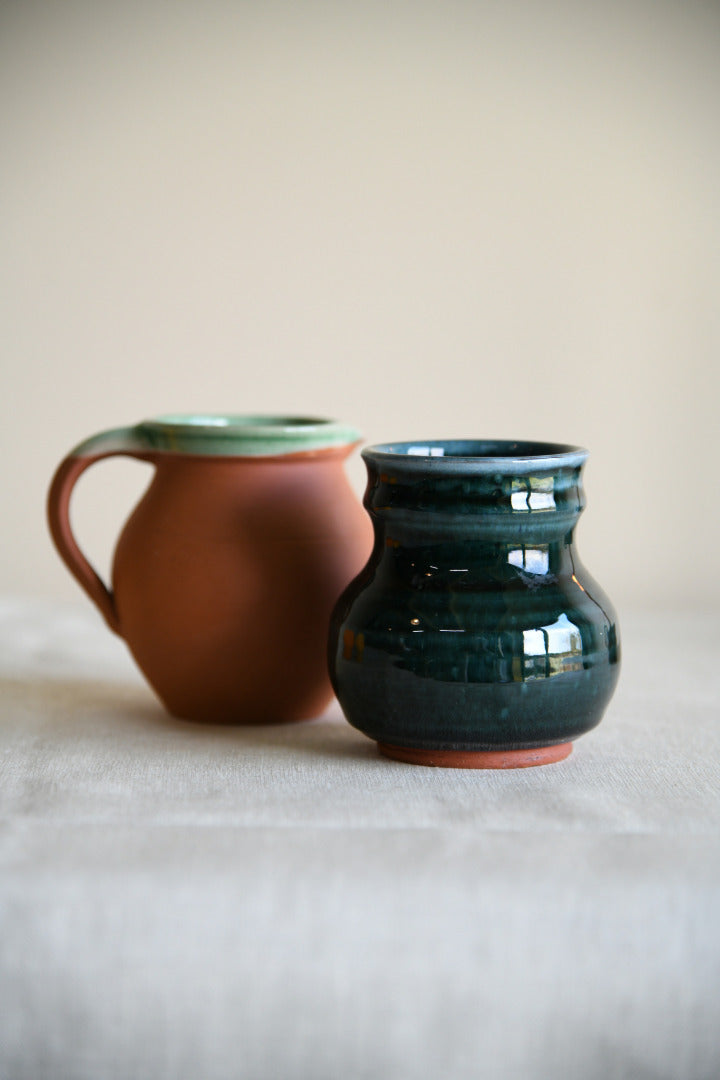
x,y
478,759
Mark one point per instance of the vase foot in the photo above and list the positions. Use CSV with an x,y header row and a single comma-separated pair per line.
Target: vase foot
x,y
478,759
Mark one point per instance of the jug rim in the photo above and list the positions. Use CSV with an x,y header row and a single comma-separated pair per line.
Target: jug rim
x,y
239,434
477,455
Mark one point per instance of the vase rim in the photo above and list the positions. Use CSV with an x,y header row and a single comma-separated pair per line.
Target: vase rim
x,y
477,455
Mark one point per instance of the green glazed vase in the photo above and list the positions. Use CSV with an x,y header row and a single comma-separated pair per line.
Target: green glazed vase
x,y
474,637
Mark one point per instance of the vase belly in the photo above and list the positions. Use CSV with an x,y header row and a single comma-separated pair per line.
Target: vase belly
x,y
478,687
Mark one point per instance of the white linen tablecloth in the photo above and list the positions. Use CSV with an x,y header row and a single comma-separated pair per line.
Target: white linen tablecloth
x,y
179,901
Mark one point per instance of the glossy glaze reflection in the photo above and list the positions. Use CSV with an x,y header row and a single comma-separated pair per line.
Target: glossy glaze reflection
x,y
474,627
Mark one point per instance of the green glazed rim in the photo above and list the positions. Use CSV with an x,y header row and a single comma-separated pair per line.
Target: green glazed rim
x,y
223,435
262,435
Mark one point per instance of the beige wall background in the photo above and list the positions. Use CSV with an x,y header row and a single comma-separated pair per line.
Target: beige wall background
x,y
431,219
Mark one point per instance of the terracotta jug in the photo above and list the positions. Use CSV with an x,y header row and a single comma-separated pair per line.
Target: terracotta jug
x,y
225,575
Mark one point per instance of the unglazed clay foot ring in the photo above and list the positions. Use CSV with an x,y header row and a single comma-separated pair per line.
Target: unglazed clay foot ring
x,y
478,759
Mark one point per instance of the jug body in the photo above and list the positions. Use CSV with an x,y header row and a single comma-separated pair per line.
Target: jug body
x,y
474,637
226,572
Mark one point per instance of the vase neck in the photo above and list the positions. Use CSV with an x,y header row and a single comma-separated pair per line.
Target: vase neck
x,y
511,507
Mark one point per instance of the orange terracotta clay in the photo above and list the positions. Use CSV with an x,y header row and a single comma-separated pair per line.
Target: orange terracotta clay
x,y
478,759
225,575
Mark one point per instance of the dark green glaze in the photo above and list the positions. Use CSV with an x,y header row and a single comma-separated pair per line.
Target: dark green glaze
x,y
474,626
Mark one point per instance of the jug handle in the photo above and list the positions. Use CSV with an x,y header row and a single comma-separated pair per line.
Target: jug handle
x,y
123,442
